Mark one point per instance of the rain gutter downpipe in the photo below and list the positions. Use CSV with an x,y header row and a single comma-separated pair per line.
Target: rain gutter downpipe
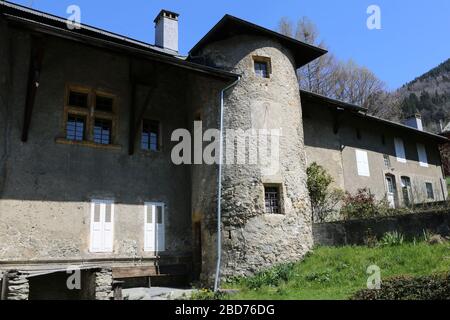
x,y
219,189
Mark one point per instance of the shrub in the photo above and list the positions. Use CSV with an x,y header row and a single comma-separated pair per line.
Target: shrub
x,y
390,239
206,294
363,205
434,287
323,200
270,277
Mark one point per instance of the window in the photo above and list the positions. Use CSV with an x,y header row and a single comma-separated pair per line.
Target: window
x,y
272,199
104,104
102,225
406,190
150,135
390,184
89,116
75,127
262,66
362,163
154,227
387,161
430,192
422,152
400,150
102,131
78,99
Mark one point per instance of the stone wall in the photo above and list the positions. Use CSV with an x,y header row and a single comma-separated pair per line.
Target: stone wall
x,y
355,232
103,284
18,287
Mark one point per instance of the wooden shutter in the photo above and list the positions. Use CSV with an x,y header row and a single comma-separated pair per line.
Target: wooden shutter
x,y
421,151
400,150
362,163
160,228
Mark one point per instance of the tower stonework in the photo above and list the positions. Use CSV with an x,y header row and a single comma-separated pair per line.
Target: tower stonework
x,y
252,239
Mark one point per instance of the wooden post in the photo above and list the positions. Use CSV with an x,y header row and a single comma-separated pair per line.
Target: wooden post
x,y
4,287
34,72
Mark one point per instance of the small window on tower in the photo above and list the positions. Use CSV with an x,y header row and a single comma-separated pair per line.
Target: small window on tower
x,y
262,66
272,199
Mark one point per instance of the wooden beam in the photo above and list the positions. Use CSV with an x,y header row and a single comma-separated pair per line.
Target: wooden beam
x,y
34,73
132,135
133,272
135,123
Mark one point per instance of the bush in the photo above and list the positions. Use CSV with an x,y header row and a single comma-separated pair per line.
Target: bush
x,y
270,277
323,200
434,287
393,238
362,205
206,294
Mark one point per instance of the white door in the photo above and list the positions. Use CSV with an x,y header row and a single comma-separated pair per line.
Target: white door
x,y
154,228
390,194
102,226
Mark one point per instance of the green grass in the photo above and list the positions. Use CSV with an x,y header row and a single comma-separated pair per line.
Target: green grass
x,y
448,185
337,273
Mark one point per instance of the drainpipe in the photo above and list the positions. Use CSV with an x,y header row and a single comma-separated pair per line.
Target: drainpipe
x,y
219,189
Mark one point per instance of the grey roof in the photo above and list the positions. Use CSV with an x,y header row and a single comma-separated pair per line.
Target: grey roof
x,y
54,25
230,26
361,112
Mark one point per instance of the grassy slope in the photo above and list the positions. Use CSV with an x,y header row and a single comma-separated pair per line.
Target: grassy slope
x,y
336,273
448,186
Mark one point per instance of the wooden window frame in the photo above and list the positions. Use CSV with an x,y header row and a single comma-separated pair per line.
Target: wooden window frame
x,y
159,135
90,115
279,188
433,196
265,60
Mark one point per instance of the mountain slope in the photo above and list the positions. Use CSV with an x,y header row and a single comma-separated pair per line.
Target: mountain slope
x,y
429,94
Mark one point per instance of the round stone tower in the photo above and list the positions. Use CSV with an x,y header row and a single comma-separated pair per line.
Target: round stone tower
x,y
266,215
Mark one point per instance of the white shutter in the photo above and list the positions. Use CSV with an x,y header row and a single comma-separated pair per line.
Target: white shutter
x,y
362,163
108,227
102,226
154,227
96,228
149,228
160,228
400,150
421,151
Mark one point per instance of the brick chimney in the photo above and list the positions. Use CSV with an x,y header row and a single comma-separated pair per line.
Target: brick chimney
x,y
414,121
166,30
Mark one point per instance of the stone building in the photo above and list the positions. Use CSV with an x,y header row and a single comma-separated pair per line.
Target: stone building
x,y
399,162
90,122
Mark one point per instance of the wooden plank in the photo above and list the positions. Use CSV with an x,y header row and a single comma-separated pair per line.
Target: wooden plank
x,y
34,73
133,272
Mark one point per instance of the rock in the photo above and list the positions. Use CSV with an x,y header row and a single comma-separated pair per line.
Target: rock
x,y
436,239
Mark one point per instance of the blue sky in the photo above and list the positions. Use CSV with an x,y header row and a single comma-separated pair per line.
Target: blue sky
x,y
414,36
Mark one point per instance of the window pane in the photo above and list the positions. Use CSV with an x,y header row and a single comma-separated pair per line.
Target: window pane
x,y
159,216
272,200
149,215
78,99
104,104
261,69
102,131
430,193
75,127
108,213
150,135
96,212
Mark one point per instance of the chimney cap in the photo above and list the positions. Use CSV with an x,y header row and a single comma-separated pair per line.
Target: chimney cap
x,y
166,14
